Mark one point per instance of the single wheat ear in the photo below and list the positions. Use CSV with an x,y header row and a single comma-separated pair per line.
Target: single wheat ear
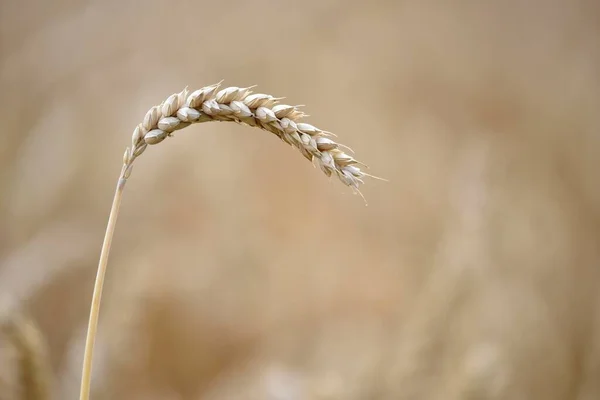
x,y
232,104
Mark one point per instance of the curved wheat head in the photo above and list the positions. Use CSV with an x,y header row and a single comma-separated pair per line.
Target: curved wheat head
x,y
240,105
233,104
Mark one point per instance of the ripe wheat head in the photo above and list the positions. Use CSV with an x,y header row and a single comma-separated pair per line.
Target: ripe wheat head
x,y
233,104
240,105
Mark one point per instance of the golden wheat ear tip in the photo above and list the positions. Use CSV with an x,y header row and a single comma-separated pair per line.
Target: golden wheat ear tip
x,y
356,191
376,177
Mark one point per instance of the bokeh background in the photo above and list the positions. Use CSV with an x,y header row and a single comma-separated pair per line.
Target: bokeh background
x,y
240,272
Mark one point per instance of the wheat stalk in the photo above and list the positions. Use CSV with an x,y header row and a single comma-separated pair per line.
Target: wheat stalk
x,y
233,104
32,369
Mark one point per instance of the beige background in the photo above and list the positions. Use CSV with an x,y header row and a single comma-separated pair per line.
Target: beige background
x,y
240,272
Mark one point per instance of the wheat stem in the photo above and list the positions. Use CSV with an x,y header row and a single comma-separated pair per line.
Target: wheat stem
x,y
86,373
231,104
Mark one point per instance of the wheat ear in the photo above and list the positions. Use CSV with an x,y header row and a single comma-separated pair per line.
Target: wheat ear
x,y
211,104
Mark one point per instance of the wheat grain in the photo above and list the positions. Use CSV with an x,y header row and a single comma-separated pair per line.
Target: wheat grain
x,y
232,104
240,105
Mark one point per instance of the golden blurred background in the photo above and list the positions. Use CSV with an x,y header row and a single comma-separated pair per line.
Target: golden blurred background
x,y
240,272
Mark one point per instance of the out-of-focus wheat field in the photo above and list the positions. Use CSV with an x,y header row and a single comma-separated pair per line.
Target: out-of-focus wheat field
x,y
238,271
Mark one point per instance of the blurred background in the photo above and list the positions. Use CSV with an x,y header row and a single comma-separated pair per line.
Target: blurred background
x,y
238,271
